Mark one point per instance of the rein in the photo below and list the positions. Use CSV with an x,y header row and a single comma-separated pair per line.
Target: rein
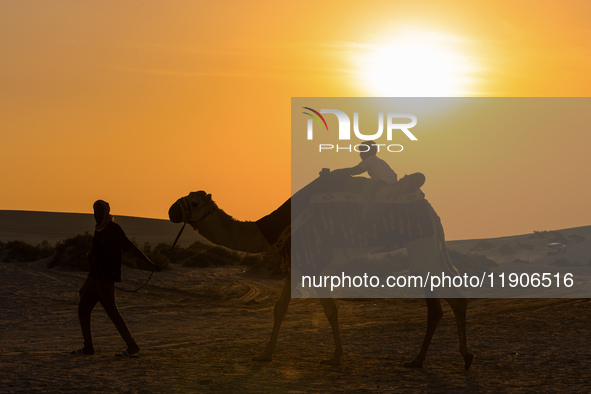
x,y
152,273
186,214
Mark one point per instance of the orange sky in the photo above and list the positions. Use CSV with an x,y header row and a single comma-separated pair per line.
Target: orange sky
x,y
141,102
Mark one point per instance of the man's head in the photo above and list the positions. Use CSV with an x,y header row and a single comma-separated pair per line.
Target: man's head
x,y
367,148
101,211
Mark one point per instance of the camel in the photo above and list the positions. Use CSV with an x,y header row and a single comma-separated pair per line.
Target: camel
x,y
202,213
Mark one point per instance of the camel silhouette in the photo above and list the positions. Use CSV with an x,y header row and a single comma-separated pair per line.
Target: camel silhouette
x,y
272,232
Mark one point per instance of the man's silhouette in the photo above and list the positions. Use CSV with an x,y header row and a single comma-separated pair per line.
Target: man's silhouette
x,y
108,244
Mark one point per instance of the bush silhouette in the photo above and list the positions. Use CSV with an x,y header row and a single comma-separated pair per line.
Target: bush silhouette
x,y
19,251
481,246
71,253
213,256
263,263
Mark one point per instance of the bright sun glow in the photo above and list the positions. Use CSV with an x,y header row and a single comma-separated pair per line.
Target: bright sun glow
x,y
416,64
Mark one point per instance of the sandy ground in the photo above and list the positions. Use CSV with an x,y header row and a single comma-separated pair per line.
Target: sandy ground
x,y
199,328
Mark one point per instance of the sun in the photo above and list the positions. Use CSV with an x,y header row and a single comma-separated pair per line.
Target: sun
x,y
416,64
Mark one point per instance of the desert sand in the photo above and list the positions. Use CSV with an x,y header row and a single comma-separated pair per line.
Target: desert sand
x,y
198,329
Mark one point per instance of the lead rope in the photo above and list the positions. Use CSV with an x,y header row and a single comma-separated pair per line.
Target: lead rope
x,y
151,273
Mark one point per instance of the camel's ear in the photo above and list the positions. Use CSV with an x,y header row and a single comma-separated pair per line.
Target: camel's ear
x,y
208,198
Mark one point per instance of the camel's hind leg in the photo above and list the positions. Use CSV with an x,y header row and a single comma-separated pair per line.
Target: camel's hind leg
x,y
332,314
279,314
459,306
434,315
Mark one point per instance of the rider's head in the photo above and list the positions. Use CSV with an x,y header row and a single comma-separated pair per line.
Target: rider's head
x,y
367,148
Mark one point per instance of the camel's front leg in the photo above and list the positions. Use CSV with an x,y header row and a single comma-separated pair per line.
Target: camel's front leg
x,y
279,314
332,313
434,315
459,306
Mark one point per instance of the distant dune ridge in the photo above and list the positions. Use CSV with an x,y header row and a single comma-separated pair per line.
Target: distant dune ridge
x,y
531,248
34,227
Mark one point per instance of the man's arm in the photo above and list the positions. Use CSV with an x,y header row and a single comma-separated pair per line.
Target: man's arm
x,y
144,262
349,171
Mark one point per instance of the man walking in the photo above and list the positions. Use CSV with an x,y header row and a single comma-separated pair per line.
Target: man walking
x,y
108,244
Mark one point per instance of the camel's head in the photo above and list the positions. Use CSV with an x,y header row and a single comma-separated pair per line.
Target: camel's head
x,y
192,208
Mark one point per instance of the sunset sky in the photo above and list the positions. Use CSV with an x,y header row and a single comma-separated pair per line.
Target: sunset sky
x,y
140,102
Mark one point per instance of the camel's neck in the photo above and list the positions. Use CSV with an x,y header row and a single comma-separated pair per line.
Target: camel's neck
x,y
221,229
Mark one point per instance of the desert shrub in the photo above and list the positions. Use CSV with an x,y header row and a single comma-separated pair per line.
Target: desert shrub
x,y
19,251
200,260
196,255
159,254
178,255
538,234
551,236
481,246
71,253
265,263
252,260
544,233
45,248
470,262
199,254
129,260
524,246
213,256
230,257
507,249
205,260
197,246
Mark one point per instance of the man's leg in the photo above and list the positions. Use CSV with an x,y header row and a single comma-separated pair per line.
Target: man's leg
x,y
107,300
88,300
